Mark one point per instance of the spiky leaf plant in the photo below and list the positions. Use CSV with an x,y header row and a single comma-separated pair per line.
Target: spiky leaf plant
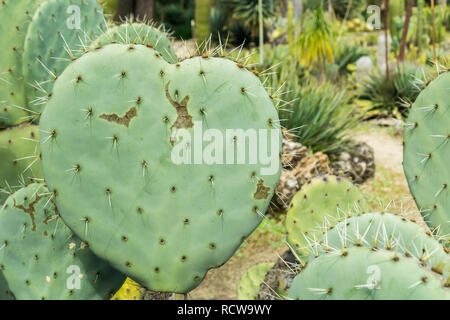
x,y
393,96
320,116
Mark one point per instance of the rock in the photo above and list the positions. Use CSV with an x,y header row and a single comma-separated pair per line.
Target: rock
x,y
153,295
299,167
357,164
363,68
278,280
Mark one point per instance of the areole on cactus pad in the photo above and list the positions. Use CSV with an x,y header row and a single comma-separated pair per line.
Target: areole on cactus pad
x,y
116,149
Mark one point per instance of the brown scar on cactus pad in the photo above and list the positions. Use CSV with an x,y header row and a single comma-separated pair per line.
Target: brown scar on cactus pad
x,y
125,120
184,119
30,210
262,192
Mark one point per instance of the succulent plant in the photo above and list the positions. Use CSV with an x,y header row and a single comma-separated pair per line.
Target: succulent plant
x,y
41,258
58,33
15,17
5,292
361,273
19,154
139,33
248,286
389,232
116,118
322,203
129,291
426,154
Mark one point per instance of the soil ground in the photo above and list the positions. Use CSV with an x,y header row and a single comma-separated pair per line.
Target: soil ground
x,y
388,190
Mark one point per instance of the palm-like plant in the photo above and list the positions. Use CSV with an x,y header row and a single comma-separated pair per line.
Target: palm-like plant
x,y
392,96
315,42
247,11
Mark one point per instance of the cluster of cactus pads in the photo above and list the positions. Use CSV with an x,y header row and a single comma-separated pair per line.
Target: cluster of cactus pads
x,y
38,251
321,203
346,252
109,106
125,130
90,117
364,256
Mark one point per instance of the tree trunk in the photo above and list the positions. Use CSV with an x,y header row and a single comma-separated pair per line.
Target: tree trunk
x,y
433,26
202,19
140,9
386,38
145,9
401,56
125,9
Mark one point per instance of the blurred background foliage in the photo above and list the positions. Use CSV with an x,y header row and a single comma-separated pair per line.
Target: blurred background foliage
x,y
311,52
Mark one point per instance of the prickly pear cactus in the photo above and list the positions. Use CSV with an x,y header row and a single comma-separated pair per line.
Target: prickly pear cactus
x,y
323,202
390,232
41,258
426,154
139,33
129,291
57,35
15,17
362,273
5,292
119,125
19,154
248,286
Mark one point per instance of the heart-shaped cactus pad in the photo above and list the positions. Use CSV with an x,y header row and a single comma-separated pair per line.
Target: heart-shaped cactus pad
x,y
164,169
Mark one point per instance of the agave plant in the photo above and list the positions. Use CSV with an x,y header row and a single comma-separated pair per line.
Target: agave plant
x,y
348,54
392,96
318,114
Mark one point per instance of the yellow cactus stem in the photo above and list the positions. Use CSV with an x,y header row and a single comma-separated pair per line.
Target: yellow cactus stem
x,y
129,291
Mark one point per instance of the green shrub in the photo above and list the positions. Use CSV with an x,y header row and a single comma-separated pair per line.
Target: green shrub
x,y
392,97
318,113
356,10
347,54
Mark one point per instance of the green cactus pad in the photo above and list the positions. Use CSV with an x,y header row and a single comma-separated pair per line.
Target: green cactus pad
x,y
366,274
139,33
41,257
323,202
19,154
426,154
5,291
248,286
56,36
117,117
14,16
390,232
